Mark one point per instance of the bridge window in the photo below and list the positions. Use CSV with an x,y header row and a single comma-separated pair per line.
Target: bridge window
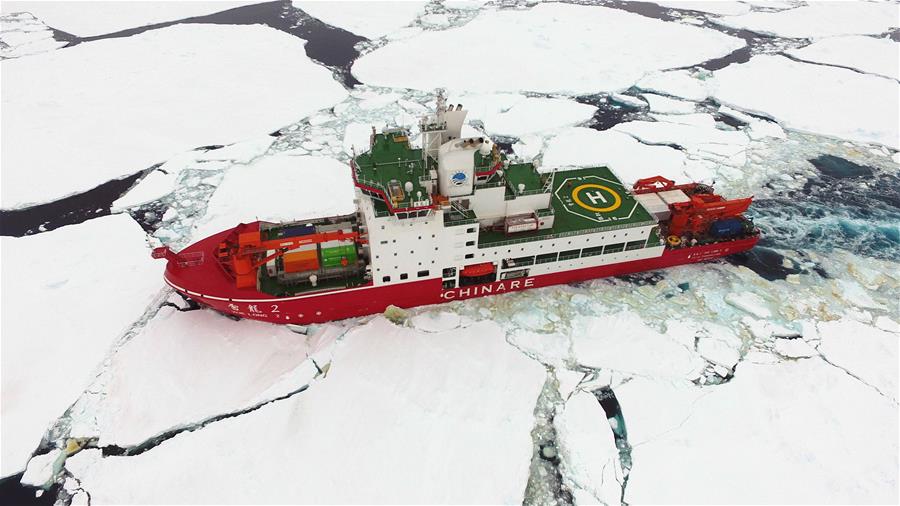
x,y
633,245
614,248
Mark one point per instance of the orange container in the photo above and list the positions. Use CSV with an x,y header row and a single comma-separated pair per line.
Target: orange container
x,y
298,261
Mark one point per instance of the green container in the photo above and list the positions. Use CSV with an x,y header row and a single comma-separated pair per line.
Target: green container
x,y
331,257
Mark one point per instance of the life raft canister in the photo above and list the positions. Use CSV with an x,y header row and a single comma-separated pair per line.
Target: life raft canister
x,y
673,240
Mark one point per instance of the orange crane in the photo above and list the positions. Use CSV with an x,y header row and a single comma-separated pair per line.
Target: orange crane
x,y
703,208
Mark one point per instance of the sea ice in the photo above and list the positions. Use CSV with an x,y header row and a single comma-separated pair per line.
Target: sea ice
x,y
781,88
116,115
718,8
279,188
867,352
630,159
626,344
197,364
806,430
89,19
578,49
62,310
22,34
666,105
418,417
677,83
750,303
589,459
531,115
42,468
820,19
865,54
726,146
153,186
370,20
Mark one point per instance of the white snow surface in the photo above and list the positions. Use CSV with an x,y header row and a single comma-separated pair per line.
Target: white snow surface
x,y
624,343
76,118
659,103
197,364
700,140
88,19
419,418
368,19
531,115
282,188
866,54
22,34
779,87
627,157
62,310
153,186
820,19
865,351
807,430
577,49
677,83
588,454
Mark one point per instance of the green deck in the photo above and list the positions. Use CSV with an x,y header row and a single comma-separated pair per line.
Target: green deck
x,y
391,158
596,188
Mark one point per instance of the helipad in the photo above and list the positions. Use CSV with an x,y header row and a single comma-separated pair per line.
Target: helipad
x,y
594,197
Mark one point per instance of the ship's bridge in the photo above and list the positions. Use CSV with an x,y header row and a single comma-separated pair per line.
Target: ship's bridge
x,y
394,174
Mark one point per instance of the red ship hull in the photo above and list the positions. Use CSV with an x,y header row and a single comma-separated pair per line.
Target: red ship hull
x,y
208,285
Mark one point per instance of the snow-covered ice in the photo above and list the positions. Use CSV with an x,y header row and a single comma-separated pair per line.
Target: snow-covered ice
x,y
531,115
588,455
401,416
814,98
791,432
21,34
578,49
63,307
866,352
89,19
197,364
718,7
820,19
659,103
116,115
368,19
630,159
704,141
283,188
866,54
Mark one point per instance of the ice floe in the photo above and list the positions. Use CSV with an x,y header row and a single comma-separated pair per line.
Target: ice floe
x,y
820,19
677,83
418,417
69,306
866,352
520,116
865,54
197,364
370,20
89,19
719,8
117,115
724,146
807,430
21,34
578,49
588,454
814,98
630,159
281,188
659,103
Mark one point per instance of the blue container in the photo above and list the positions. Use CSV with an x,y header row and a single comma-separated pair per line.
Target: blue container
x,y
726,228
298,230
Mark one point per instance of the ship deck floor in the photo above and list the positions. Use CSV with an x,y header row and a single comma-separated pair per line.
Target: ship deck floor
x,y
583,201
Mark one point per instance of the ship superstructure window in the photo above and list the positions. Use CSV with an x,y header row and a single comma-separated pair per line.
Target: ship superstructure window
x,y
614,248
593,251
449,272
518,262
546,257
386,279
404,276
470,243
634,245
422,274
449,284
470,230
570,254
470,255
